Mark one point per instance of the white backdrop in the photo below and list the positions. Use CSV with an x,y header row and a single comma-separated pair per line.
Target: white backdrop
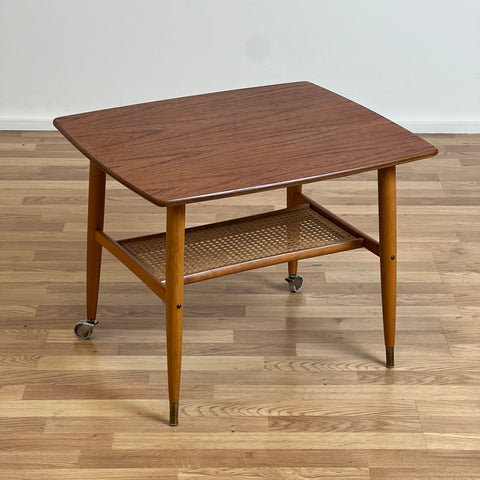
x,y
414,61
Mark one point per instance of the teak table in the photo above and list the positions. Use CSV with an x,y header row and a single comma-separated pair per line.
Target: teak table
x,y
186,150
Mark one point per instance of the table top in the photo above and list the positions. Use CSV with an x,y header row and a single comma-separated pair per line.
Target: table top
x,y
209,146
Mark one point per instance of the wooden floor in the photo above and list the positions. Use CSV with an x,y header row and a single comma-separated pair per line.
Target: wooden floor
x,y
275,385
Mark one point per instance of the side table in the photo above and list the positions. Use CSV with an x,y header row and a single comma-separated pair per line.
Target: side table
x,y
187,150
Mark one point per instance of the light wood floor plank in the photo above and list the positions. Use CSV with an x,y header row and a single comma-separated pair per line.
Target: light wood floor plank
x,y
91,474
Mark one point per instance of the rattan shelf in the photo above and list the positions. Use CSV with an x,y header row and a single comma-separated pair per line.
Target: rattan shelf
x,y
242,244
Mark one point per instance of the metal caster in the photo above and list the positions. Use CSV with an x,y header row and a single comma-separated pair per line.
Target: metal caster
x,y
295,283
84,330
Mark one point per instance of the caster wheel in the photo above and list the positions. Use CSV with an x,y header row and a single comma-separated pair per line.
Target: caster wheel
x,y
295,283
84,330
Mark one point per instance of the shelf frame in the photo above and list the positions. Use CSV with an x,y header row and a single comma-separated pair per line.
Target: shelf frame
x,y
123,251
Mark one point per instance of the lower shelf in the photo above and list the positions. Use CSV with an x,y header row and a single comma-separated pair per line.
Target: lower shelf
x,y
246,243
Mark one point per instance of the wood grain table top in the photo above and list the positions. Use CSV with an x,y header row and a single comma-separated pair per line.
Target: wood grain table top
x,y
209,146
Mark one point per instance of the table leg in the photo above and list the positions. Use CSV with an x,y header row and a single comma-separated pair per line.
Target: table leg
x,y
388,255
174,282
96,211
291,191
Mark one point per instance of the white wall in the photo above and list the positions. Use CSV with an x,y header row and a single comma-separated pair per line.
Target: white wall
x,y
414,61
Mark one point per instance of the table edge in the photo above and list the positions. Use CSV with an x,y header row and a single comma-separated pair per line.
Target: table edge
x,y
259,188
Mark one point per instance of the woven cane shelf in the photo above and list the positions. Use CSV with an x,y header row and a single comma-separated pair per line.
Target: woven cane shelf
x,y
268,238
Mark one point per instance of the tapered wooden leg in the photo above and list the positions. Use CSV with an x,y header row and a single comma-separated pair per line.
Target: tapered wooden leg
x,y
291,191
175,245
388,255
96,210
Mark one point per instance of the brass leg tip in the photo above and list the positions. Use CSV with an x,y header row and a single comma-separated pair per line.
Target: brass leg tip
x,y
390,357
173,414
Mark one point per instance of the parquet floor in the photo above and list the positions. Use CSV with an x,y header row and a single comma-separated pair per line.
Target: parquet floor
x,y
275,385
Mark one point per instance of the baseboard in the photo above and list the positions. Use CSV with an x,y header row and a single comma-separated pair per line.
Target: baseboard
x,y
440,127
26,124
413,126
